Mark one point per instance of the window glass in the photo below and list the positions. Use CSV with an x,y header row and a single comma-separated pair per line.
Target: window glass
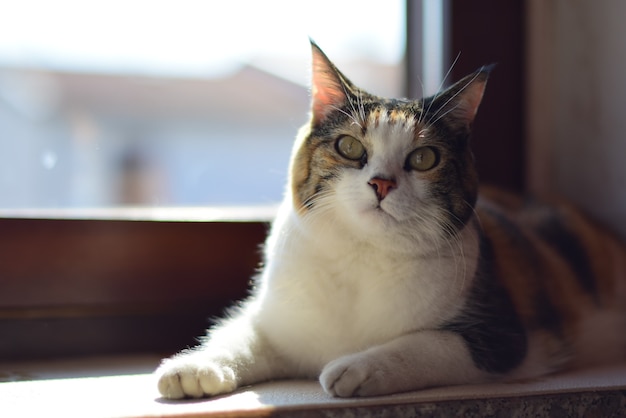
x,y
128,102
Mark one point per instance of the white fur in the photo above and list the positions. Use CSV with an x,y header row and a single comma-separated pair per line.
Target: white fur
x,y
351,292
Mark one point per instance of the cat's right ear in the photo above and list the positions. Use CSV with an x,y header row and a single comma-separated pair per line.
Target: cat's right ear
x,y
329,87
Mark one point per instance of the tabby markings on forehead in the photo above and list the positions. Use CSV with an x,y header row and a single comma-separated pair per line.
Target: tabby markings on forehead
x,y
395,117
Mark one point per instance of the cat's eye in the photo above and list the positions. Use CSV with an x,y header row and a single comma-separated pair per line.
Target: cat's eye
x,y
422,159
350,148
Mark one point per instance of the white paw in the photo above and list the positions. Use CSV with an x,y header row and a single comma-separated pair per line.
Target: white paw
x,y
191,375
355,375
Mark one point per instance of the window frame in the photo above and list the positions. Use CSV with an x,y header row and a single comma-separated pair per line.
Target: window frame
x,y
114,284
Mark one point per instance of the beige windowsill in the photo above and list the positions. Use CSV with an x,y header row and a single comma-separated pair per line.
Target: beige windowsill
x,y
147,213
124,387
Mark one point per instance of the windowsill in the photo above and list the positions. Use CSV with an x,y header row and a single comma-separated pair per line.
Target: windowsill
x,y
262,213
125,387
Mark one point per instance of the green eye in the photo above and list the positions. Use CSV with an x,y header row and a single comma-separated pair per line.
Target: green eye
x,y
422,159
350,148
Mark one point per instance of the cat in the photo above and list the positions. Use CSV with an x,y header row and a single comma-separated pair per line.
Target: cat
x,y
384,271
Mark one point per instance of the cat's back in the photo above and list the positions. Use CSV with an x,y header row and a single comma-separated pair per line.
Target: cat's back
x,y
552,245
566,274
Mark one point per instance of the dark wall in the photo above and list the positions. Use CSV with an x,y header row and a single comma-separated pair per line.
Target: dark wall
x,y
485,32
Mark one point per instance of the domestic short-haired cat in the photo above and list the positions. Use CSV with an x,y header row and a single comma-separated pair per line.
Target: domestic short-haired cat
x,y
386,271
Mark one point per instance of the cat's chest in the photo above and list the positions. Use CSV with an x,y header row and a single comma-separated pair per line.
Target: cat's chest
x,y
340,297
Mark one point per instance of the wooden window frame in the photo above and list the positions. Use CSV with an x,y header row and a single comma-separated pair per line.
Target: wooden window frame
x,y
79,284
494,32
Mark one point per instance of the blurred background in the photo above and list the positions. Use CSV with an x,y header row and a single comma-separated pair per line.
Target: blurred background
x,y
191,102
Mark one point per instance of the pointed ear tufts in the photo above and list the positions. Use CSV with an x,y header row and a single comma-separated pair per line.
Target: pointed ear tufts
x,y
464,97
472,95
329,87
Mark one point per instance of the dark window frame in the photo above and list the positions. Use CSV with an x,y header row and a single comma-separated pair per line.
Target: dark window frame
x,y
96,286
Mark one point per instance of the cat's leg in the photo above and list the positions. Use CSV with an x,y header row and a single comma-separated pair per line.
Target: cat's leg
x,y
410,362
234,354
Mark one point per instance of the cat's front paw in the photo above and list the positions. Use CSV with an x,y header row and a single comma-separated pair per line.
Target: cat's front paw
x,y
191,376
354,375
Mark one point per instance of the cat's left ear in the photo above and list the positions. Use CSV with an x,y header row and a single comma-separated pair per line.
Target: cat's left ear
x,y
460,102
330,88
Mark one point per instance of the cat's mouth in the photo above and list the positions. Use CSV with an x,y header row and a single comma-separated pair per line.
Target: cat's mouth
x,y
380,211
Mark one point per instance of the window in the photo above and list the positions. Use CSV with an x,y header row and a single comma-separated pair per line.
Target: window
x,y
162,103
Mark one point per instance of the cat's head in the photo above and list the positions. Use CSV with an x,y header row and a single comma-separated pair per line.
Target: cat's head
x,y
373,164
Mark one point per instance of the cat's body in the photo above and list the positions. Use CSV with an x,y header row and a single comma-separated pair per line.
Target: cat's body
x,y
382,274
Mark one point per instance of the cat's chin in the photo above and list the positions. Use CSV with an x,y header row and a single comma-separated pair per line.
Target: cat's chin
x,y
377,216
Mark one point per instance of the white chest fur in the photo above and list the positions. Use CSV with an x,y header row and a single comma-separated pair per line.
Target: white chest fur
x,y
326,294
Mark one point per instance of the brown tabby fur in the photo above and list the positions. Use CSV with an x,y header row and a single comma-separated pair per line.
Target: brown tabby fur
x,y
559,268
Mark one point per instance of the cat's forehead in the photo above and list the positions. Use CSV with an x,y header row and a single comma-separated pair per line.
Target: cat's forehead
x,y
392,115
395,117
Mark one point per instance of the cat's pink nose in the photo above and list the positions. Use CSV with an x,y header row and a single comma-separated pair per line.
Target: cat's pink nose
x,y
382,187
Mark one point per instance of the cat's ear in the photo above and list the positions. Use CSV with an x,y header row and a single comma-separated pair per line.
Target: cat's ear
x,y
459,103
329,88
